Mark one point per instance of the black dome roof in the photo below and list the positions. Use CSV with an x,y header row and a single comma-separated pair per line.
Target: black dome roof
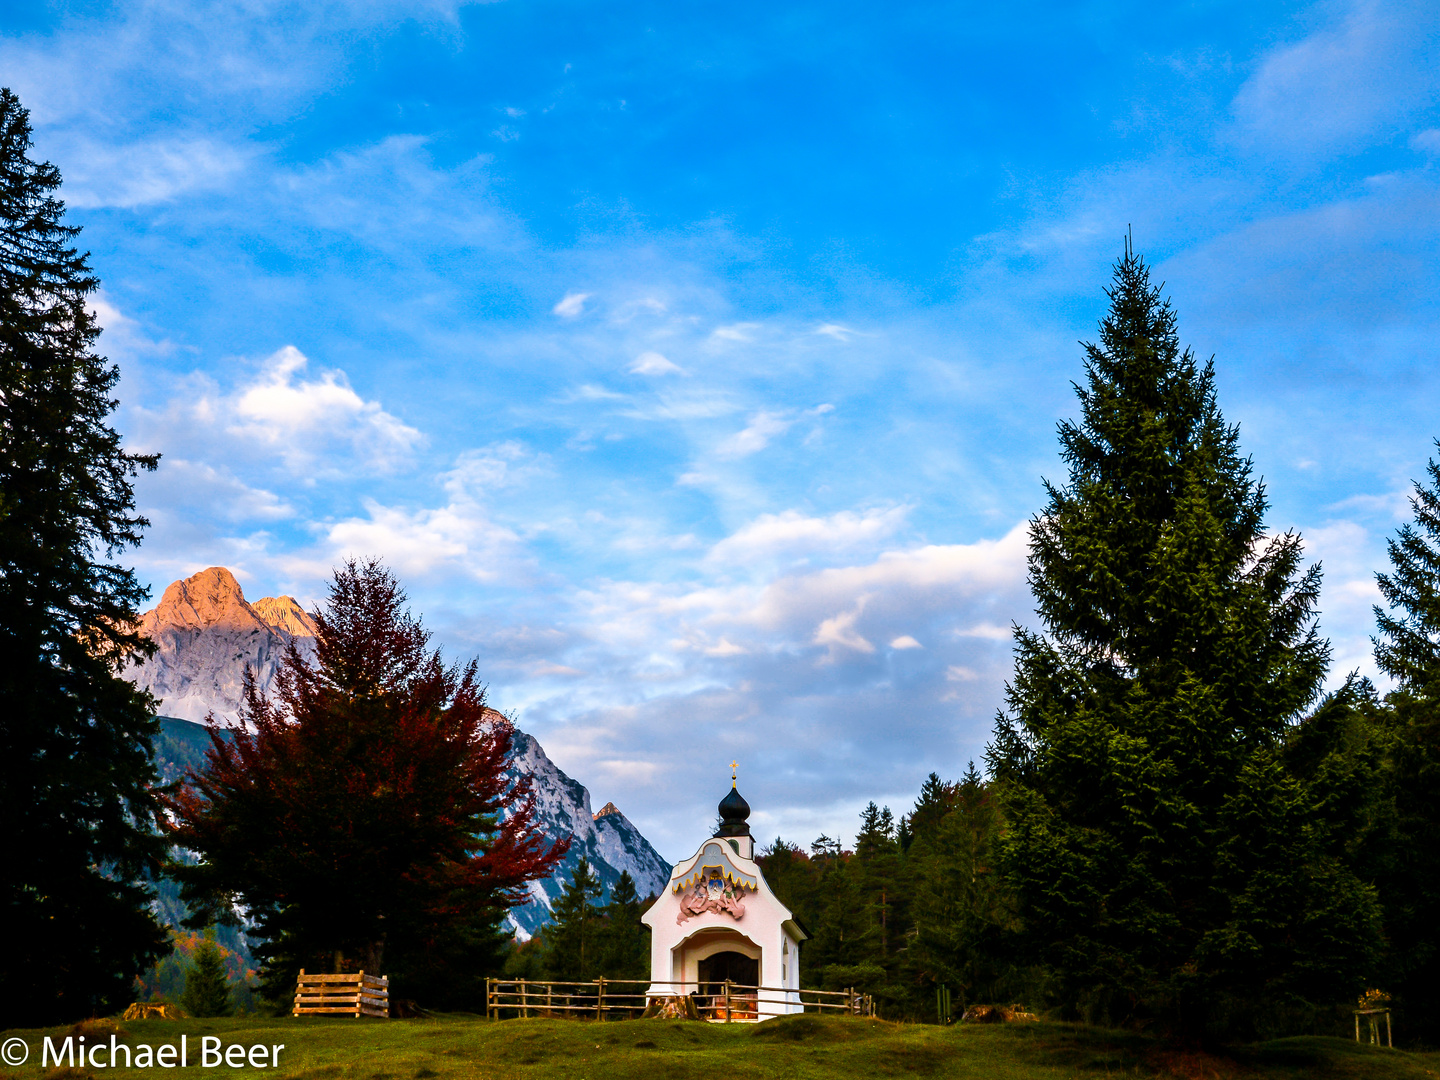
x,y
734,811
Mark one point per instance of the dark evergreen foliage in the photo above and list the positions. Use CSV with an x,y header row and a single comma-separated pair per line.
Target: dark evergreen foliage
x,y
207,990
1408,649
624,939
1165,857
934,913
572,938
360,822
76,768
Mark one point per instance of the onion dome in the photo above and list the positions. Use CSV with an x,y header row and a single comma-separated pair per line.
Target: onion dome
x,y
734,811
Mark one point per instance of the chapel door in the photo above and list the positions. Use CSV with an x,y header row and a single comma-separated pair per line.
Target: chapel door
x,y
737,967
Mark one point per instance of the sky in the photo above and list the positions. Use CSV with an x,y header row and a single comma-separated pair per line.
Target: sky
x,y
697,367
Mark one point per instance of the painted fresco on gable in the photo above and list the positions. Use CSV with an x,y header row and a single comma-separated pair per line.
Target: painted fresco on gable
x,y
712,891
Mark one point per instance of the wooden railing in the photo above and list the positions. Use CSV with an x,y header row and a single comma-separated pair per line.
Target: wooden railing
x,y
345,995
627,998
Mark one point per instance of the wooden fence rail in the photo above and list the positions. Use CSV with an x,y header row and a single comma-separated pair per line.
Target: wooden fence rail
x,y
344,995
604,998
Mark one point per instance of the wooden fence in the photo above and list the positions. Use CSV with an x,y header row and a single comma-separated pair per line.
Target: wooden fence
x,y
628,998
345,995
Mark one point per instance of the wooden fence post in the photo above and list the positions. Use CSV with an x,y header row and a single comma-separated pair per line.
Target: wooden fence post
x,y
524,1002
727,1001
600,999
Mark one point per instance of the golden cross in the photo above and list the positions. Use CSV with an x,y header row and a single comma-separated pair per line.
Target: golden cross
x,y
733,766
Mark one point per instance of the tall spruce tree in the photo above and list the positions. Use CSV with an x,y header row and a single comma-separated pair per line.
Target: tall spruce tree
x,y
76,764
1165,858
1408,650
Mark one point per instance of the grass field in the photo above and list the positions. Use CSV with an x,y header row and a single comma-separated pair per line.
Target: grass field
x,y
800,1047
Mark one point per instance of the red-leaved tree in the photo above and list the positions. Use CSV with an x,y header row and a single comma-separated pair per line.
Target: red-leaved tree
x,y
364,817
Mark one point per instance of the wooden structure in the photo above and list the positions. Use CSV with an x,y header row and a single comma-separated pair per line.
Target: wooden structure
x,y
624,999
342,995
1373,1016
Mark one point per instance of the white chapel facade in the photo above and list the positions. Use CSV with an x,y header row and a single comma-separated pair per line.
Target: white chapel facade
x,y
717,920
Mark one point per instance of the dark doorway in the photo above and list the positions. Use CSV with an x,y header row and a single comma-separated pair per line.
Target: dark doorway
x,y
737,967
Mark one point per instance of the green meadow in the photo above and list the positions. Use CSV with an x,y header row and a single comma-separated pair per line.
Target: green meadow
x,y
800,1047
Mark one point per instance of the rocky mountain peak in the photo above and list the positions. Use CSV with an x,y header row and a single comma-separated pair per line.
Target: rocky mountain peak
x,y
608,808
285,613
210,598
208,634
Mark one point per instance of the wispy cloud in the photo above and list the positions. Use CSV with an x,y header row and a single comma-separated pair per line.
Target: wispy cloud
x,y
572,306
653,363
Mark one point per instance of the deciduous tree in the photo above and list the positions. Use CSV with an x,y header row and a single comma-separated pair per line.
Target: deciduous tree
x,y
364,816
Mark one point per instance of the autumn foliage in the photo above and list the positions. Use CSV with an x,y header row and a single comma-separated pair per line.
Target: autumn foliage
x,y
364,816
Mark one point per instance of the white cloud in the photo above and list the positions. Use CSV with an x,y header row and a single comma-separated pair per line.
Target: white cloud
x,y
300,419
905,641
725,648
756,435
839,631
742,332
653,363
572,306
459,538
791,532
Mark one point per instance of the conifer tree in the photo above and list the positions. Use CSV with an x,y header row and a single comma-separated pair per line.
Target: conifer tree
x,y
207,990
625,941
76,764
961,908
1164,857
935,801
574,931
1408,649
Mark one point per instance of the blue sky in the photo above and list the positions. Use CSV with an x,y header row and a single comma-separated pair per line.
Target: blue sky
x,y
696,367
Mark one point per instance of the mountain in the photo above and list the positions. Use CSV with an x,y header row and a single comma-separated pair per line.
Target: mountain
x,y
607,839
208,632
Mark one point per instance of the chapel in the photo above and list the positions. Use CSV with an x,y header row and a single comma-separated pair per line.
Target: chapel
x,y
717,920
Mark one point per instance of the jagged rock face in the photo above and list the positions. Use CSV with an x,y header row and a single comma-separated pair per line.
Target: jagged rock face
x,y
207,633
607,839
